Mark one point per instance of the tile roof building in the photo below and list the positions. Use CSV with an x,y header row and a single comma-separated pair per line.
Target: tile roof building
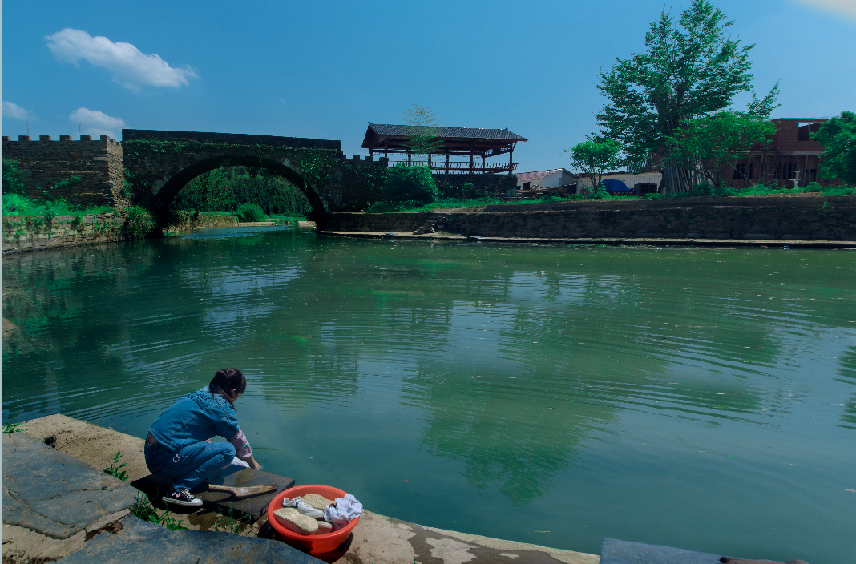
x,y
452,142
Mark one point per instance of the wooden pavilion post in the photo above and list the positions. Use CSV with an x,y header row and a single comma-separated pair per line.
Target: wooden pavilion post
x,y
447,161
511,160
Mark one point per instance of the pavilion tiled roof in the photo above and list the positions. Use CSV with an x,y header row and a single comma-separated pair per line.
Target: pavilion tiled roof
x,y
449,132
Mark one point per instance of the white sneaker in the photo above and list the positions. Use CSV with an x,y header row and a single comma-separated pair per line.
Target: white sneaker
x,y
303,507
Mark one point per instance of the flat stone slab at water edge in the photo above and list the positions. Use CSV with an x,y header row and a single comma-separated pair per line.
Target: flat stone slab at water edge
x,y
614,551
142,543
53,494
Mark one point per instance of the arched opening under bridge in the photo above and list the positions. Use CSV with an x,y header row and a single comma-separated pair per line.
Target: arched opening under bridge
x,y
163,199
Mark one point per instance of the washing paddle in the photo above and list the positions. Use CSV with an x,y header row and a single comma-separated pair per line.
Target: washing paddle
x,y
240,493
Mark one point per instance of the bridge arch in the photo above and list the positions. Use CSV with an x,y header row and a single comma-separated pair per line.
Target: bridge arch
x,y
179,179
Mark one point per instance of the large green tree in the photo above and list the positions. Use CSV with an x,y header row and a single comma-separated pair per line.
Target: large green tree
x,y
838,137
690,68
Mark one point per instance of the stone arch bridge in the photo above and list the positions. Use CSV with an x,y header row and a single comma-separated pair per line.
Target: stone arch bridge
x,y
158,164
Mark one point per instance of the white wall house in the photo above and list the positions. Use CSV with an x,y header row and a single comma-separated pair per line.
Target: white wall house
x,y
631,180
544,179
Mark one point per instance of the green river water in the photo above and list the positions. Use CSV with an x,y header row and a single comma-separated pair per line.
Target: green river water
x,y
698,398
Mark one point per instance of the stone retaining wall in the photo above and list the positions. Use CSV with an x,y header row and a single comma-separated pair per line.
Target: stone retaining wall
x,y
452,185
25,234
831,218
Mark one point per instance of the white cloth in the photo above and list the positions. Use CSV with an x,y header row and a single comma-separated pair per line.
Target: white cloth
x,y
342,511
238,462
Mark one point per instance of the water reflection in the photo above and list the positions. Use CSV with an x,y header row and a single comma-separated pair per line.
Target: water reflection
x,y
517,371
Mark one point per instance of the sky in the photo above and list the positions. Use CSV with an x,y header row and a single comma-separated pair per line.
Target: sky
x,y
325,69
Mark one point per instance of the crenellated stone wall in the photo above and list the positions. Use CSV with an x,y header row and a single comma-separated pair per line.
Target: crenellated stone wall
x,y
46,163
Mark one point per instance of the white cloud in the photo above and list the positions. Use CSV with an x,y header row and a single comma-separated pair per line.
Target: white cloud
x,y
130,67
15,111
97,123
841,7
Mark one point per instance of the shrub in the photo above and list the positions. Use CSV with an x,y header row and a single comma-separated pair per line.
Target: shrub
x,y
12,177
408,184
250,212
138,222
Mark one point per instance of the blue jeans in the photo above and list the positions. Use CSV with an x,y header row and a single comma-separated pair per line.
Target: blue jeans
x,y
189,466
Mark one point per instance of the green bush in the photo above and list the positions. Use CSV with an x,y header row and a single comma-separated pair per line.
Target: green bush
x,y
138,222
12,177
250,213
408,184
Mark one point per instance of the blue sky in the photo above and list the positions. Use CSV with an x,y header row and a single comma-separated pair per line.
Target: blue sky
x,y
326,69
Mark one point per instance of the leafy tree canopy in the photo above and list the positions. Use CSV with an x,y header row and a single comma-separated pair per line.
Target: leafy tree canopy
x,y
423,122
594,157
838,137
690,68
705,144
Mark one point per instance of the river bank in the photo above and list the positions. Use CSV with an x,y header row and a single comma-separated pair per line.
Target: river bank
x,y
823,220
376,539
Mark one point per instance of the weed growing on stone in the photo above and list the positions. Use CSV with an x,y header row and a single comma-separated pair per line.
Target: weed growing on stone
x,y
143,509
115,469
229,524
8,426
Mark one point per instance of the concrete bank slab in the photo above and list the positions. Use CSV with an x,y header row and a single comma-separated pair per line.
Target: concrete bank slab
x,y
613,241
143,543
615,551
376,539
382,540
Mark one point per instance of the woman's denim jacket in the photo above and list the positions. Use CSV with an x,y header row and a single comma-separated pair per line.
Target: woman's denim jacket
x,y
194,418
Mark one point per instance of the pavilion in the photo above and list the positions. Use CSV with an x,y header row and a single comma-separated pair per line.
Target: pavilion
x,y
461,143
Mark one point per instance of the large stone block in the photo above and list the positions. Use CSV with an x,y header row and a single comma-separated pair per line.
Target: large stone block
x,y
144,543
54,494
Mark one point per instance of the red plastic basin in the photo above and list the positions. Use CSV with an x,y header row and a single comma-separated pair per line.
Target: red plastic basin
x,y
315,544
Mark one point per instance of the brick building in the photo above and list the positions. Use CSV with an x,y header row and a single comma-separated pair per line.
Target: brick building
x,y
791,158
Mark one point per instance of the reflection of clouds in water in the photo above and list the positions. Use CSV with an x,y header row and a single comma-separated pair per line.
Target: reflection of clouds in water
x,y
237,284
539,288
240,295
478,334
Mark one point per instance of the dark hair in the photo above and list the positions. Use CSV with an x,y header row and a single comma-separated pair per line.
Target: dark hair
x,y
226,380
